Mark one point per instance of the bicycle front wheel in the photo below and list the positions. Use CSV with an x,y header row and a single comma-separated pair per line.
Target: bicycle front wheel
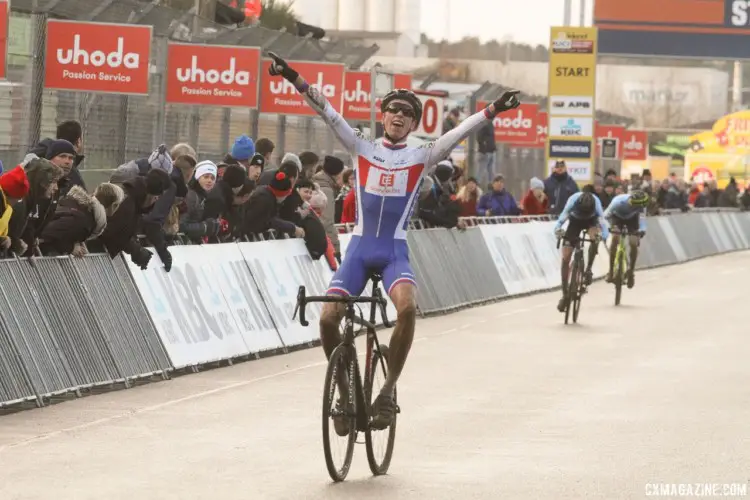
x,y
620,274
379,444
578,289
340,412
572,288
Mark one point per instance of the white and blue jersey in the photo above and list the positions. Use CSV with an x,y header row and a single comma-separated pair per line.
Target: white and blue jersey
x,y
621,209
388,177
569,212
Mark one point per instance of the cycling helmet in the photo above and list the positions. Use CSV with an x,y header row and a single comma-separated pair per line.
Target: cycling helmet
x,y
585,206
405,95
638,198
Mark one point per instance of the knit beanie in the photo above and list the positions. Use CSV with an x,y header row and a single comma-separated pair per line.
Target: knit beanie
x,y
281,185
14,183
206,167
58,147
234,176
243,149
536,183
293,158
333,166
258,160
318,200
160,159
157,182
444,171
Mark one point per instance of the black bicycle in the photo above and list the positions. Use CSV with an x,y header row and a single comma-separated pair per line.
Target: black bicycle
x,y
351,409
577,286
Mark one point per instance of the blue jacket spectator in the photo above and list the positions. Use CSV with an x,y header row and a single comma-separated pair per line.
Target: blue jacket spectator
x,y
498,202
559,187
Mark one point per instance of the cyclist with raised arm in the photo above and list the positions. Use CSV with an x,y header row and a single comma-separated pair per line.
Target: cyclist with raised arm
x,y
627,211
388,176
583,211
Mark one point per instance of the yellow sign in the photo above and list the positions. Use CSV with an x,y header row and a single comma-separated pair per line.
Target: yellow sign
x,y
571,101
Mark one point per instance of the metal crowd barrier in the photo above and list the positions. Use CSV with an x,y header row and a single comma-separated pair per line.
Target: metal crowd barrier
x,y
68,324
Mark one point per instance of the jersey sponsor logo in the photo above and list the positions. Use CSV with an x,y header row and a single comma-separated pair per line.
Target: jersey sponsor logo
x,y
384,182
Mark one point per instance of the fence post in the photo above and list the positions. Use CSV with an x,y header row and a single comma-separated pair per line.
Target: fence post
x,y
161,46
122,136
36,99
226,120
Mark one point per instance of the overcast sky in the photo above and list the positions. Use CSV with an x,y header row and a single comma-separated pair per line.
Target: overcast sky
x,y
523,20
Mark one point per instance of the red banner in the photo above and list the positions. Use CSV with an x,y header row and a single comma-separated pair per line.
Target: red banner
x,y
357,94
4,18
97,57
541,129
635,145
610,132
213,75
279,96
517,126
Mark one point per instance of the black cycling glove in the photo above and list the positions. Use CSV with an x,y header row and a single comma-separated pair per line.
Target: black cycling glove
x,y
280,67
508,100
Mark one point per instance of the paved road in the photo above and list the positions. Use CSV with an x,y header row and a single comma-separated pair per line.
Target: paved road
x,y
498,402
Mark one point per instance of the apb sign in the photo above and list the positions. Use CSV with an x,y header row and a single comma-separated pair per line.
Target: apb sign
x,y
213,75
97,57
357,94
716,29
281,97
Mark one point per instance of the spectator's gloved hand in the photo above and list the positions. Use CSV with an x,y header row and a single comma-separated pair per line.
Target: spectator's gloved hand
x,y
141,258
509,100
166,259
280,67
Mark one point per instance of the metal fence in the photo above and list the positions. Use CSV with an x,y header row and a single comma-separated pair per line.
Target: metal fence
x,y
119,128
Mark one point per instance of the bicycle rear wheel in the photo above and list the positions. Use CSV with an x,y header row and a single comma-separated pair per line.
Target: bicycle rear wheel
x,y
379,444
578,272
342,361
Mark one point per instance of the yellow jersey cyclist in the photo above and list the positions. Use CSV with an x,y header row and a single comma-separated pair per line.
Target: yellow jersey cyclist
x,y
627,211
583,211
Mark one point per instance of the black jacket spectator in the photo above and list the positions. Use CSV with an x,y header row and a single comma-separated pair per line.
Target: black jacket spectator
x,y
486,139
440,207
78,217
220,199
559,187
263,208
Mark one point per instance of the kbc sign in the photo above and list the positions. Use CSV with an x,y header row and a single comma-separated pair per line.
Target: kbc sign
x,y
97,57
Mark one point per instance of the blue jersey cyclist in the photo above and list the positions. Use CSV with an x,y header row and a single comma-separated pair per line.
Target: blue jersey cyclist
x,y
583,211
627,211
387,180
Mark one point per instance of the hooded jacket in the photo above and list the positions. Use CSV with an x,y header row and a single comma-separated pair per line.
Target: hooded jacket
x,y
122,226
263,214
78,217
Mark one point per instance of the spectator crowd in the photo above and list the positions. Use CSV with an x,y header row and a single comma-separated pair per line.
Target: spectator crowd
x,y
172,195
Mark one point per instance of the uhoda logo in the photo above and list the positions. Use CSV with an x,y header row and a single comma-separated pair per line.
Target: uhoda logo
x,y
195,74
517,122
633,144
357,94
285,87
98,58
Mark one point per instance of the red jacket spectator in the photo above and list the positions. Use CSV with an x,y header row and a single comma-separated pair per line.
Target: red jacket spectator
x,y
468,197
349,211
535,202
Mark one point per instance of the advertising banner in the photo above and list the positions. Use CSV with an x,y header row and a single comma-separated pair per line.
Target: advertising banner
x,y
4,29
674,28
635,145
571,102
280,97
431,126
614,134
212,75
357,94
97,57
518,126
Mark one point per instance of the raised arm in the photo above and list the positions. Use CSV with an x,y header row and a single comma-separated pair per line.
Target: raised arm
x,y
442,147
343,131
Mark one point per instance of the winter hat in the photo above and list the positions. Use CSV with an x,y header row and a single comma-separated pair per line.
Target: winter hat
x,y
444,171
536,183
293,158
206,167
258,160
59,147
281,185
333,166
14,183
234,176
160,159
318,200
243,149
110,196
157,181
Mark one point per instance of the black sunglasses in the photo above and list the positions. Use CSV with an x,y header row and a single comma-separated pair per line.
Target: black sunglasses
x,y
407,110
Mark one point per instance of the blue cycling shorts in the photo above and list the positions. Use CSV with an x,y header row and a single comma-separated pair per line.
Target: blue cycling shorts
x,y
365,256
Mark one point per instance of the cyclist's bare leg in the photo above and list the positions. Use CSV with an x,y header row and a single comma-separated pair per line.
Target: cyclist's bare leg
x,y
567,253
593,248
404,298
